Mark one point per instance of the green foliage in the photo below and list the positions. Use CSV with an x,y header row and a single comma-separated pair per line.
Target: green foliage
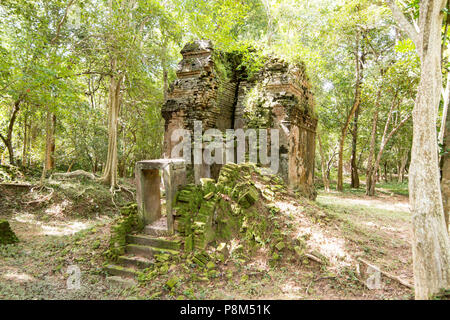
x,y
63,65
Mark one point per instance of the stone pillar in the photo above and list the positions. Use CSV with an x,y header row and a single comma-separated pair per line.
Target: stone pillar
x,y
148,193
201,171
148,187
174,175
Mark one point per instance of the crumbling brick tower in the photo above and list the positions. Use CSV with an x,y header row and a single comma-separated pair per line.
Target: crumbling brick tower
x,y
211,88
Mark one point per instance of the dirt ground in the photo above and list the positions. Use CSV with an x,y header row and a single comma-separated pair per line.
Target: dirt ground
x,y
339,226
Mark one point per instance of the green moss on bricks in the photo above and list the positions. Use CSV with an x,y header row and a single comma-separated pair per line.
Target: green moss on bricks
x,y
232,207
125,224
248,197
7,236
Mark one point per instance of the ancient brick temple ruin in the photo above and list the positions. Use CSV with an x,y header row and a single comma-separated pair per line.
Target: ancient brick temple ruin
x,y
212,88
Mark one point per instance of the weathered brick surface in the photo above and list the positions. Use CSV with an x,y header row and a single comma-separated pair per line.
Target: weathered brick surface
x,y
285,102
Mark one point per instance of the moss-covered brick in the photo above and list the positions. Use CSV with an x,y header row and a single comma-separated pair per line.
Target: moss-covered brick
x,y
229,208
208,185
249,197
189,243
280,246
125,224
172,282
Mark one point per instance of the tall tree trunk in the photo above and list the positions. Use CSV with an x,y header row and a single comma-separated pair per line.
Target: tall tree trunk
x,y
326,182
26,133
50,141
431,249
401,170
354,162
373,138
356,103
431,243
384,140
110,169
31,136
8,139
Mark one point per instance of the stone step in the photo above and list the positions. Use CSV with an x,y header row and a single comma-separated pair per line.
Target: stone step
x,y
120,271
147,251
121,282
161,243
134,262
156,231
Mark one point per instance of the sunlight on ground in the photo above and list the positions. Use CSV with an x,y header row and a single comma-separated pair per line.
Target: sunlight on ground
x,y
292,290
377,226
17,276
54,228
57,209
331,247
383,204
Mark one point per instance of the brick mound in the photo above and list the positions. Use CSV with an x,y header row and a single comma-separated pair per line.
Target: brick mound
x,y
237,206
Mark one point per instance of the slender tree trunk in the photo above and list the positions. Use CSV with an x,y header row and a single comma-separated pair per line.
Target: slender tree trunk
x,y
326,182
70,166
31,135
25,140
356,103
110,169
50,141
401,170
373,138
384,140
8,139
9,146
354,162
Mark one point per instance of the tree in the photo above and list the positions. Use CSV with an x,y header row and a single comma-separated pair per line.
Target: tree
x,y
431,243
355,107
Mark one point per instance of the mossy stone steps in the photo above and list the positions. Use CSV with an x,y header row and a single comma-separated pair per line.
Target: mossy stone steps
x,y
134,262
121,282
140,251
147,251
161,243
120,271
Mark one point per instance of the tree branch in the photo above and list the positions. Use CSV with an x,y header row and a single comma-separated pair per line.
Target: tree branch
x,y
61,22
403,22
398,127
3,138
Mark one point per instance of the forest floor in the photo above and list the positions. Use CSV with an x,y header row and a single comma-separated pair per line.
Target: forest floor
x,y
71,226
